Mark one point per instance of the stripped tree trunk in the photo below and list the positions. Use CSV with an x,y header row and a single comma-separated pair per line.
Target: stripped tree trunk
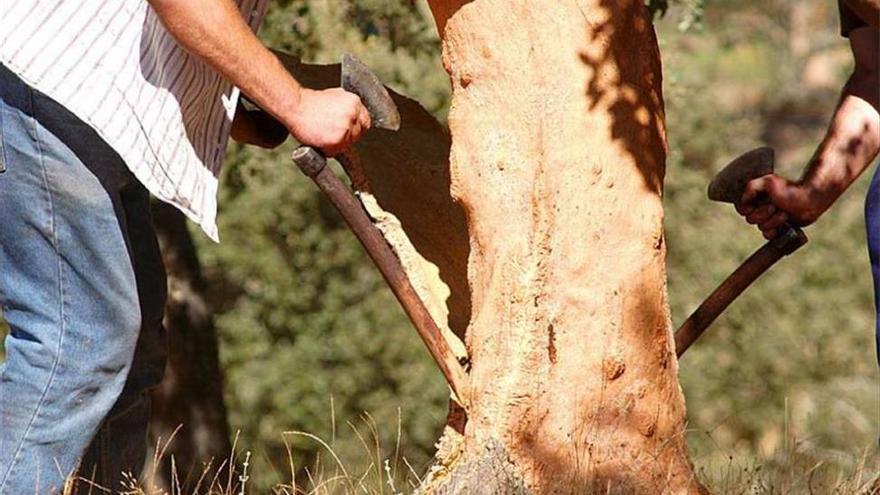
x,y
191,394
558,152
540,240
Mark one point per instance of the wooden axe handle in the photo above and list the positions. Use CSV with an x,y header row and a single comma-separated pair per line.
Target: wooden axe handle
x,y
313,163
787,242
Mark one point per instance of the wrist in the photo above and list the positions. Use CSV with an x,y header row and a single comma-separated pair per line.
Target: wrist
x,y
294,111
817,197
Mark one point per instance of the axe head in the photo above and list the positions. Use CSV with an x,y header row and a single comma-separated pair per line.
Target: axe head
x,y
358,79
729,184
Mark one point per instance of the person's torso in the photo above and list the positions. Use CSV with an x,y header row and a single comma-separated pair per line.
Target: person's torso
x,y
113,65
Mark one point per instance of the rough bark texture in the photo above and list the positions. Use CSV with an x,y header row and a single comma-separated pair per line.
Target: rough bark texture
x,y
191,393
551,255
492,471
558,151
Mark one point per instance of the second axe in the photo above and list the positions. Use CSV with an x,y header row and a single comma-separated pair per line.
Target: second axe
x,y
728,187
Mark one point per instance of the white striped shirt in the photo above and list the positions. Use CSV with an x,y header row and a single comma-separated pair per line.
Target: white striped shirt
x,y
114,66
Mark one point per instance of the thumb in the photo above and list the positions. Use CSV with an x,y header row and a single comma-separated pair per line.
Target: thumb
x,y
783,193
755,188
364,117
780,192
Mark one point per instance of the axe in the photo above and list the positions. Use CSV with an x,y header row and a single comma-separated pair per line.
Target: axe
x,y
728,187
358,79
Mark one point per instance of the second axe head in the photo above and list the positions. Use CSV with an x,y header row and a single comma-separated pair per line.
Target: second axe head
x,y
729,184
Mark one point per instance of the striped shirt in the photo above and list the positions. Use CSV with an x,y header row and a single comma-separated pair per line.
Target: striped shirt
x,y
114,66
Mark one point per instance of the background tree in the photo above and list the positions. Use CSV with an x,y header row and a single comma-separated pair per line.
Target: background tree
x,y
188,422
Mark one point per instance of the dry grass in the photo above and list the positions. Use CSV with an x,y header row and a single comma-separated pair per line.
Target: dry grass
x,y
380,472
379,478
798,466
376,473
794,478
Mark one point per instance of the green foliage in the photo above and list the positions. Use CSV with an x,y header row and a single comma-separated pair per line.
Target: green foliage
x,y
787,375
790,367
309,320
306,318
690,12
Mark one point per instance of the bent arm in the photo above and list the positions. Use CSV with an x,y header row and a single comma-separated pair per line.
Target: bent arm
x,y
850,145
214,31
853,138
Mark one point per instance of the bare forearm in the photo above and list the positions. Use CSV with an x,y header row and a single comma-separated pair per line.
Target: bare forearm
x,y
849,147
853,139
214,31
852,143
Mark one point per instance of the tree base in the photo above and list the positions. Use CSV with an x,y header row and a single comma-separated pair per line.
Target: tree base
x,y
492,471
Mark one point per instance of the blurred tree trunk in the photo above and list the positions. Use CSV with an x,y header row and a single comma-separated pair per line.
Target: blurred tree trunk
x,y
799,33
558,156
191,394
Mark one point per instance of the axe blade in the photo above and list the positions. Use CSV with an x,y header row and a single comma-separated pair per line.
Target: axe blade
x,y
729,184
357,78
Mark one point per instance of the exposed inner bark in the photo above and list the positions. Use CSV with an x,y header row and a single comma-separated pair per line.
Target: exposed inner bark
x,y
556,167
558,159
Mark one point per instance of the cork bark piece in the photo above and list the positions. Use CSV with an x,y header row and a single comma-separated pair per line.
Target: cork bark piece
x,y
402,179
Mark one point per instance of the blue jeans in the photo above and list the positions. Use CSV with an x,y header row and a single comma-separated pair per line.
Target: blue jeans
x,y
872,222
83,288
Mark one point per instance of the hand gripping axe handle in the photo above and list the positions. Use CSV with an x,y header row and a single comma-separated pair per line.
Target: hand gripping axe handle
x,y
358,79
728,187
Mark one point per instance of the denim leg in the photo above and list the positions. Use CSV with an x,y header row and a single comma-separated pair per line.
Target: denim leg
x,y
73,225
119,448
872,222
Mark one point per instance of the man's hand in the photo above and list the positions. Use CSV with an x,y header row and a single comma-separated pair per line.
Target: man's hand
x,y
779,201
850,145
331,120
